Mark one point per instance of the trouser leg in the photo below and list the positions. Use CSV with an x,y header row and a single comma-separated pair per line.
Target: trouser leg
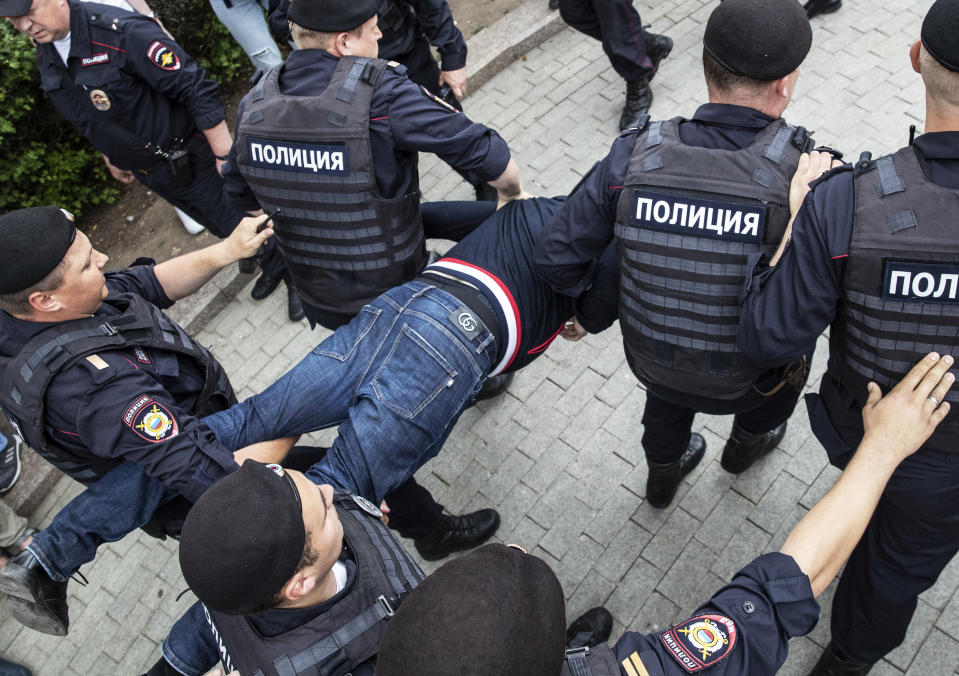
x,y
773,412
117,504
190,647
616,24
413,510
12,525
666,429
912,536
202,199
247,24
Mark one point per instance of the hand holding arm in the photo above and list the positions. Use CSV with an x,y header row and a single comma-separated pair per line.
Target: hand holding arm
x,y
266,451
896,426
184,274
456,79
508,185
121,175
811,166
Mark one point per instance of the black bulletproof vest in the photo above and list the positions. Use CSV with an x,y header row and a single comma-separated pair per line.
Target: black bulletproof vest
x,y
596,661
688,219
346,635
25,377
310,156
900,296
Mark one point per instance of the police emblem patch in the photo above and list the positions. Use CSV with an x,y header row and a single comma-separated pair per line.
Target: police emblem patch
x,y
162,56
141,355
102,57
430,95
150,419
367,506
700,641
100,100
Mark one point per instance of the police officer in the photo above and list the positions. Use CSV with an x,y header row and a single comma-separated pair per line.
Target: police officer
x,y
633,52
344,127
873,255
687,201
513,604
137,96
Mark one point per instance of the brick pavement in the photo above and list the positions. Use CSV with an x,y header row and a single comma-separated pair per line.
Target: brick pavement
x,y
559,454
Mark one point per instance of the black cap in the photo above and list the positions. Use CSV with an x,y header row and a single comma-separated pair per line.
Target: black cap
x,y
32,243
15,7
243,539
940,33
331,16
502,612
761,39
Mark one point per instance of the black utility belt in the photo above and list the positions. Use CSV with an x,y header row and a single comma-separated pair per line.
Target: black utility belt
x,y
176,160
470,296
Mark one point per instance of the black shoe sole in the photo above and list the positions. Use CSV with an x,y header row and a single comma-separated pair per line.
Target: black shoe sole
x,y
36,617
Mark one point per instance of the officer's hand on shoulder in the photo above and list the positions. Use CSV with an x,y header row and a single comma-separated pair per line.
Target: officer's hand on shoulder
x,y
900,422
811,166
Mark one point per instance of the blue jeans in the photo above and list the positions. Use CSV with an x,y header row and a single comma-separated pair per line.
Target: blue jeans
x,y
247,24
395,379
119,503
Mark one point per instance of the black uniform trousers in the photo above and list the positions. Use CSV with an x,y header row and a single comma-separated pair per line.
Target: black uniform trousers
x,y
617,25
668,416
202,197
912,536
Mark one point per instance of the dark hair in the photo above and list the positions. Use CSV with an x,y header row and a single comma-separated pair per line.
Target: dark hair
x,y
18,302
722,79
308,558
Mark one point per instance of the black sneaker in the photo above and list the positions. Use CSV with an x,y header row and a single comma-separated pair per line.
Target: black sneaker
x,y
457,533
10,463
590,629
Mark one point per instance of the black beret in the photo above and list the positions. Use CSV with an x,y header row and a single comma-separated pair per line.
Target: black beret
x,y
495,611
331,16
32,243
15,7
940,33
243,539
761,39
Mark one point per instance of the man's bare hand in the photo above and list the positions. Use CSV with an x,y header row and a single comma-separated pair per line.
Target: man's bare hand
x,y
456,79
502,200
245,240
573,331
121,175
901,421
811,166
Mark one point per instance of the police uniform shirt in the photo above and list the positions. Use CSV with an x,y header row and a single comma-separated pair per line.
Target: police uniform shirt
x,y
786,308
126,84
743,629
87,404
404,120
583,229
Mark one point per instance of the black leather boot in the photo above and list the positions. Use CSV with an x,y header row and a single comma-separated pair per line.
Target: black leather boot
x,y
815,7
744,448
494,386
294,307
665,477
265,284
590,629
831,664
456,533
658,48
35,600
639,97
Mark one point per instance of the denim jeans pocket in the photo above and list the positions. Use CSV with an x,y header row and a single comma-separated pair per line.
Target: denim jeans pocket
x,y
412,374
344,340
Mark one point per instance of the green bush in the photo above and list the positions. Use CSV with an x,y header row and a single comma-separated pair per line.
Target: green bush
x,y
43,160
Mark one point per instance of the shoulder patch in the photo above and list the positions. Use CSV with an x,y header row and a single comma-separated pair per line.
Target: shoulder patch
x,y
141,355
430,95
150,419
161,56
700,641
98,361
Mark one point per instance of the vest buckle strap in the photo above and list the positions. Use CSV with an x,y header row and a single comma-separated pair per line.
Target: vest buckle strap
x,y
388,608
108,329
578,661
